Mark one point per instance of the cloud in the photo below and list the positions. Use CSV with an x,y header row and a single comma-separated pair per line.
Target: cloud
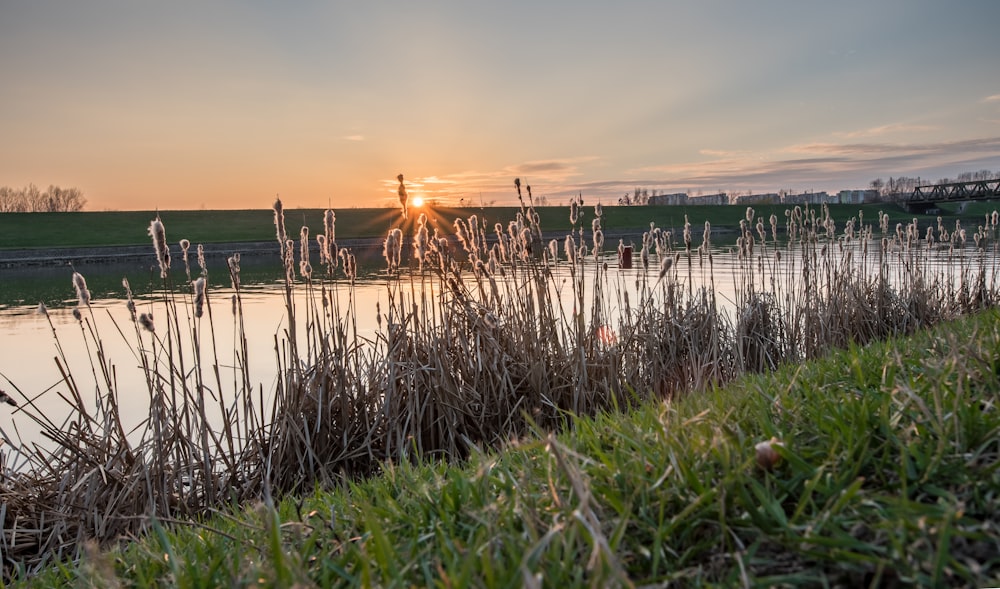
x,y
993,98
721,153
885,130
354,137
819,166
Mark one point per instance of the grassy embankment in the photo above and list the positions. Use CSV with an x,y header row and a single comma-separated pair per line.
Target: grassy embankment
x,y
87,229
888,477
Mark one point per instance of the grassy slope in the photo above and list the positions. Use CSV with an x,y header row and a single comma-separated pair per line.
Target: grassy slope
x,y
889,475
34,230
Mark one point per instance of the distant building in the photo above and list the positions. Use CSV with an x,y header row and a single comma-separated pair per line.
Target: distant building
x,y
856,197
709,199
809,198
678,198
769,198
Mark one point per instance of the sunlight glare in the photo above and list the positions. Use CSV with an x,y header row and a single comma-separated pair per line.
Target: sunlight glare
x,y
418,201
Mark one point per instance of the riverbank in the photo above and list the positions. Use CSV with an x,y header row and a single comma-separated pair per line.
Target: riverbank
x,y
880,469
47,239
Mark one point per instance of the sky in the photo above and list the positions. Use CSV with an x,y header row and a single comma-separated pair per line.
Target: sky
x,y
225,105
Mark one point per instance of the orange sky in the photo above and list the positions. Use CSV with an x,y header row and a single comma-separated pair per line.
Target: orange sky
x,y
225,105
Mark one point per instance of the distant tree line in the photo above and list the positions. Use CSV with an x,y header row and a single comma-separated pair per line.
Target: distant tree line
x,y
32,200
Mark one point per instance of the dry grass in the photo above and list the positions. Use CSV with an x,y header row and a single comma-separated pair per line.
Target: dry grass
x,y
488,334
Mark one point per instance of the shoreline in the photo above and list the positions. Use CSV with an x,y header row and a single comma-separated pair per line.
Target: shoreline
x,y
362,246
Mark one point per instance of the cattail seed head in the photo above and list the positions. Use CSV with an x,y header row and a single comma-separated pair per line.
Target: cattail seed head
x,y
159,235
146,321
82,293
279,224
305,267
665,266
199,296
402,194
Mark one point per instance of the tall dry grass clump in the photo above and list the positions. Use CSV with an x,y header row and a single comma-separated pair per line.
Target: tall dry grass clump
x,y
487,332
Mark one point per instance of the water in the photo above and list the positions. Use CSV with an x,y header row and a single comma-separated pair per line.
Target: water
x,y
30,362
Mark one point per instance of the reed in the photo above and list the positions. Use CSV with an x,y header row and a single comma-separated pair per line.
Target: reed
x,y
487,336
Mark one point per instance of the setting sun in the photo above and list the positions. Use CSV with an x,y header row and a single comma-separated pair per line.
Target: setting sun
x,y
418,201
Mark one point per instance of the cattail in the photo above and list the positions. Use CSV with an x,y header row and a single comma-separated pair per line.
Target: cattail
x,y
42,309
199,296
570,249
76,314
81,289
598,210
706,237
146,321
598,242
517,185
473,227
402,194
234,304
329,226
687,234
749,214
665,266
289,261
233,262
305,267
554,250
774,226
185,245
480,269
159,235
421,240
574,212
525,240
129,304
349,264
201,260
392,248
279,224
462,234
324,251
995,218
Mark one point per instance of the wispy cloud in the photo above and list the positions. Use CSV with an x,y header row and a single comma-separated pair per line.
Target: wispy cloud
x,y
819,166
721,153
885,130
993,98
354,137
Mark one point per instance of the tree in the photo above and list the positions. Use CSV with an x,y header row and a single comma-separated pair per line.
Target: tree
x,y
32,200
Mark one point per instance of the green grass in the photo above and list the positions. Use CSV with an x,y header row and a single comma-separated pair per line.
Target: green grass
x,y
889,476
86,229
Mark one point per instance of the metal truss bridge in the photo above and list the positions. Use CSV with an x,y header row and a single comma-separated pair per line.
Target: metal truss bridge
x,y
926,198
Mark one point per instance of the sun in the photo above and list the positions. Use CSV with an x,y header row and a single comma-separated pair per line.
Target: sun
x,y
418,201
